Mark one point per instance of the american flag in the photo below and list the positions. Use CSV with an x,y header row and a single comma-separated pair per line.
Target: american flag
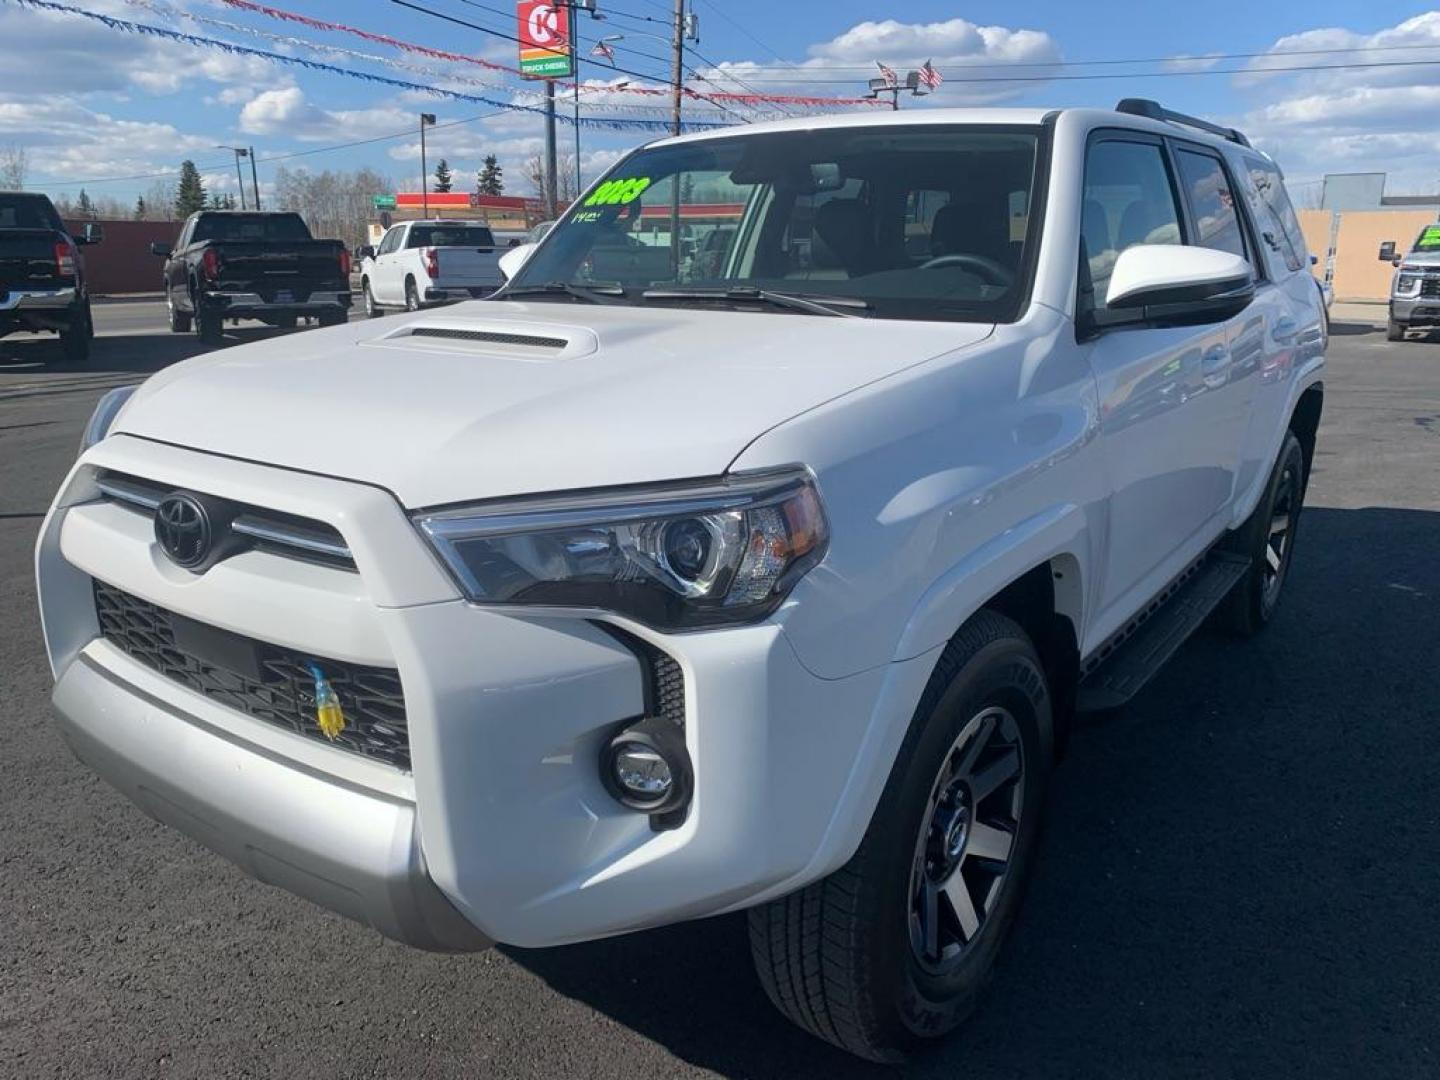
x,y
888,74
605,49
929,77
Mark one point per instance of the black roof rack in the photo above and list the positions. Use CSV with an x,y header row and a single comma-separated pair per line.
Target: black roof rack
x,y
1155,111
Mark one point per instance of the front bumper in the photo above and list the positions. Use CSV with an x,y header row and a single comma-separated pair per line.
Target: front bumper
x,y
1416,311
351,849
505,813
249,305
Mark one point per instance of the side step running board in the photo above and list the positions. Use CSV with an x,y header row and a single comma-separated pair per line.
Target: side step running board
x,y
1129,660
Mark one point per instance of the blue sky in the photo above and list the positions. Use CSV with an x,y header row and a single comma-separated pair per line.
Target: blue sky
x,y
88,103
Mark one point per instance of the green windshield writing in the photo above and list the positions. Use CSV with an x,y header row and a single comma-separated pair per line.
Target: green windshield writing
x,y
618,192
1429,239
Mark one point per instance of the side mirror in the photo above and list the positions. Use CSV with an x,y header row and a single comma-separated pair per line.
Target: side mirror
x,y
93,233
1387,251
1171,283
365,252
163,250
515,258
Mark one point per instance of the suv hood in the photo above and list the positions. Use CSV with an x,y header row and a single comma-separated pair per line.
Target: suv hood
x,y
491,399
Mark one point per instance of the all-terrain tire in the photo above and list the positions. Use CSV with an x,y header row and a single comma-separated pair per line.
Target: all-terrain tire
x,y
1268,539
837,957
1394,331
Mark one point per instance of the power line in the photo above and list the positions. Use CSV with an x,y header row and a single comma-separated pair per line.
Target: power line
x,y
949,79
789,66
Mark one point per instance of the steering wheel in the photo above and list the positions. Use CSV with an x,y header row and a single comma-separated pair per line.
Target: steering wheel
x,y
994,272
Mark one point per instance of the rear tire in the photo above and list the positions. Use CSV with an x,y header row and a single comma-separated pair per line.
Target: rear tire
x,y
179,320
1268,538
853,958
412,297
209,326
75,339
1394,331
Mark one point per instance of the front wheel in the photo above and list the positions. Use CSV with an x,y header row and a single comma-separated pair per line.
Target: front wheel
x,y
372,309
1268,538
897,945
1394,331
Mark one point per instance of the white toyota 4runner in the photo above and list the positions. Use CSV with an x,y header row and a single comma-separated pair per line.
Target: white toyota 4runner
x,y
764,569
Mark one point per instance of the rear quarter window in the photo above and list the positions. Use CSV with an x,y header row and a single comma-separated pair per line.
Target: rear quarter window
x,y
1274,214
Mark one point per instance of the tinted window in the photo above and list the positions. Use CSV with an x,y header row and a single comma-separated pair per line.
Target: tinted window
x,y
854,213
27,212
1212,203
1281,226
1128,200
391,241
277,228
450,236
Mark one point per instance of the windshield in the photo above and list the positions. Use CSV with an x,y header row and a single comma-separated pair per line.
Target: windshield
x,y
1428,240
922,222
237,227
450,236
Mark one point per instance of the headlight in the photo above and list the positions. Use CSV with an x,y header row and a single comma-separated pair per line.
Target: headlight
x,y
104,415
673,557
1407,283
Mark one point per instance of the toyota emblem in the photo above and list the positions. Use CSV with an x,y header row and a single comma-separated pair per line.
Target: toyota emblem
x,y
183,530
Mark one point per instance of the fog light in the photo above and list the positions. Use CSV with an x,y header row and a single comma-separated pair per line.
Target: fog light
x,y
646,767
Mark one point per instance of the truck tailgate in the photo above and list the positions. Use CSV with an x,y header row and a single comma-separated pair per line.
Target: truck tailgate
x,y
27,258
465,267
299,267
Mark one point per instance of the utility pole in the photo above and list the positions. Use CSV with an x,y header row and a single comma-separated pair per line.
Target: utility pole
x,y
254,178
677,67
552,203
425,120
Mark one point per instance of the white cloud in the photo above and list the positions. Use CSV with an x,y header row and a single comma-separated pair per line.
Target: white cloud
x,y
287,111
952,46
1352,119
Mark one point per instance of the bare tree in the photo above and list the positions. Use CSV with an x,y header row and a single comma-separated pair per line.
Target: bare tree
x,y
336,205
14,166
535,174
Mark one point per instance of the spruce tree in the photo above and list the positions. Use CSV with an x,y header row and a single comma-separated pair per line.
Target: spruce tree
x,y
83,206
190,194
140,208
490,180
442,177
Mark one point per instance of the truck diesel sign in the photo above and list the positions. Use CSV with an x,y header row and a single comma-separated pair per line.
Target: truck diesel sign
x,y
545,47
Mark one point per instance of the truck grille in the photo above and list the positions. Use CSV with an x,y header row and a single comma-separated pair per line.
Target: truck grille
x,y
1430,287
267,682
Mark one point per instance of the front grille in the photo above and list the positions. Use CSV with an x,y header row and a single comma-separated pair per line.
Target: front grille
x,y
1430,287
267,682
257,527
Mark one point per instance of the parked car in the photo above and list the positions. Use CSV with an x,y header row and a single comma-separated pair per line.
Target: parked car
x,y
628,596
422,263
251,264
42,276
1415,288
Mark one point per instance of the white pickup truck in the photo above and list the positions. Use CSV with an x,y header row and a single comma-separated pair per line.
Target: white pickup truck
x,y
654,587
422,263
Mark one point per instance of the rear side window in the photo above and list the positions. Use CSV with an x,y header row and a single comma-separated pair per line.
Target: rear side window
x,y
27,212
1212,203
1128,200
1282,227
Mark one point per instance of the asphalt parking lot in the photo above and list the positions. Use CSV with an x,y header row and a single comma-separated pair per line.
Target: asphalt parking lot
x,y
1239,877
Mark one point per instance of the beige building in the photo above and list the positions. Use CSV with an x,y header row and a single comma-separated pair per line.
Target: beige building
x,y
1357,220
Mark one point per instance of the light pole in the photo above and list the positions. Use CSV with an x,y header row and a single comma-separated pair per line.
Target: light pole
x,y
426,119
240,152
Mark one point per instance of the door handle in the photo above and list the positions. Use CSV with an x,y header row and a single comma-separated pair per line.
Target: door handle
x,y
1215,358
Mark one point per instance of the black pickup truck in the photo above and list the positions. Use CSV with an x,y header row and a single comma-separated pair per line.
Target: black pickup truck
x,y
230,264
42,277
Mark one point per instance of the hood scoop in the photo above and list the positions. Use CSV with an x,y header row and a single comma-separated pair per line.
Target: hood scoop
x,y
514,340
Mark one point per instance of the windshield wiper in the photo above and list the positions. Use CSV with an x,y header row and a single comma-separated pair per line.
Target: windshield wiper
x,y
593,294
811,305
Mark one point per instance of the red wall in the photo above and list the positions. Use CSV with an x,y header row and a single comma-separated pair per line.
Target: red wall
x,y
122,263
